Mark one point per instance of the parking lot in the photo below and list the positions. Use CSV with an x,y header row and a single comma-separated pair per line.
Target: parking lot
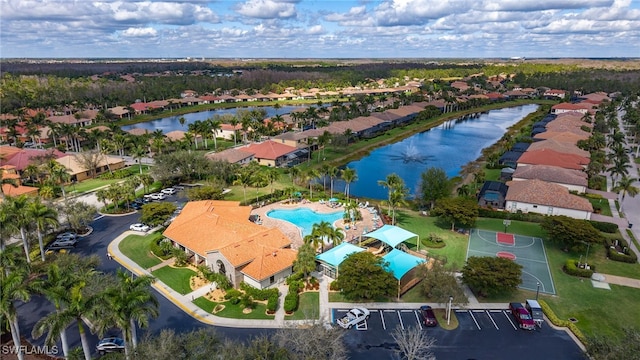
x,y
481,334
479,319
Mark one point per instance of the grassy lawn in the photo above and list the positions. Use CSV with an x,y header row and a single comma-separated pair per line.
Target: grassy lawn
x,y
136,248
175,278
88,185
308,308
234,311
602,204
456,248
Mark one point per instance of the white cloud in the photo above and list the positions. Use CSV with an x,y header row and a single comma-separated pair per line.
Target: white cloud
x,y
140,32
267,9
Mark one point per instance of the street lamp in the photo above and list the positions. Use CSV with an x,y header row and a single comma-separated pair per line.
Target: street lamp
x,y
537,290
586,263
449,310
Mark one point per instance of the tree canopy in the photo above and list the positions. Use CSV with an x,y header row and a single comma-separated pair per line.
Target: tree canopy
x,y
491,275
459,210
156,213
569,232
363,276
438,284
434,185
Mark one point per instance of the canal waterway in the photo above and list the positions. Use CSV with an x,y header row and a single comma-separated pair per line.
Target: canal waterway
x,y
449,146
171,123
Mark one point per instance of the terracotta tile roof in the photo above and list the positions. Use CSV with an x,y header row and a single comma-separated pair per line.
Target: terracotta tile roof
x,y
232,155
553,158
209,225
545,193
249,248
563,136
138,131
21,158
551,174
75,166
271,262
10,190
562,147
573,107
269,149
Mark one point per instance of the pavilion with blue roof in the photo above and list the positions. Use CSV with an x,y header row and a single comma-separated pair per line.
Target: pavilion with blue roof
x,y
330,260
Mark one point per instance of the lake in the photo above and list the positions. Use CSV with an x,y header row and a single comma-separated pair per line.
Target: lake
x,y
171,123
449,146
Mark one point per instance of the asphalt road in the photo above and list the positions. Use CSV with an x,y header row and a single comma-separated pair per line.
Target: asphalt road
x,y
466,342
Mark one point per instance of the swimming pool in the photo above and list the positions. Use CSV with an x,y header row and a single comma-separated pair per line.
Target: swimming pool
x,y
304,218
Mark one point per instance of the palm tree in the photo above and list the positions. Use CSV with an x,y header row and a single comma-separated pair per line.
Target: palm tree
x,y
233,122
272,175
625,184
349,175
311,175
82,303
396,199
131,303
42,217
182,120
18,219
59,175
332,172
294,172
392,182
138,152
620,167
215,126
335,236
323,171
15,285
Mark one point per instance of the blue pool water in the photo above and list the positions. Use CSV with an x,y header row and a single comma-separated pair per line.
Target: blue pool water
x,y
304,218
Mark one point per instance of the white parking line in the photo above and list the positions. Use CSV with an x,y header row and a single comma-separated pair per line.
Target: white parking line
x,y
98,217
418,318
384,326
509,318
490,317
400,318
474,320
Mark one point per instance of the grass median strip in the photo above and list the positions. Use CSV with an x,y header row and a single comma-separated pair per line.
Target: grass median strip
x,y
308,307
234,311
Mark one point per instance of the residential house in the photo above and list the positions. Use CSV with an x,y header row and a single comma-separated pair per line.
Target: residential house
x,y
569,107
562,136
555,93
228,131
546,198
76,167
220,235
9,172
562,147
493,194
271,153
232,156
574,180
553,158
21,158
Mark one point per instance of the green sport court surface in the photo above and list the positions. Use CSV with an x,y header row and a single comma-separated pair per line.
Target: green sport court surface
x,y
524,250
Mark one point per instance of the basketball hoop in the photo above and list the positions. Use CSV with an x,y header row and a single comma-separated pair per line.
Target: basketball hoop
x,y
506,223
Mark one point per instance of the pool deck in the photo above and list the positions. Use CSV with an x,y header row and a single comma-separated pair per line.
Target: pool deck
x,y
293,232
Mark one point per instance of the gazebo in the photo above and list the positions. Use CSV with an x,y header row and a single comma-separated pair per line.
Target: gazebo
x,y
400,263
393,235
331,260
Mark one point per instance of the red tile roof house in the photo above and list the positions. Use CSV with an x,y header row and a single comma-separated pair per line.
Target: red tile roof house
x,y
568,107
232,156
219,235
553,158
562,136
546,198
573,180
562,147
270,153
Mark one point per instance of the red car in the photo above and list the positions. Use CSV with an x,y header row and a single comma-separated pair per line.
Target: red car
x,y
522,316
428,317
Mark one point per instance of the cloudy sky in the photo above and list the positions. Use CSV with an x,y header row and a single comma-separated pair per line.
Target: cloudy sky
x,y
319,28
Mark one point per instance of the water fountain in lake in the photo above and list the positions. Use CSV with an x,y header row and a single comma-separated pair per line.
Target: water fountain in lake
x,y
411,154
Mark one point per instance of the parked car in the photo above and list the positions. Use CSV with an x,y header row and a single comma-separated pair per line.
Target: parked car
x,y
110,344
66,236
63,244
178,187
353,317
139,227
158,196
428,316
136,206
534,308
169,191
522,316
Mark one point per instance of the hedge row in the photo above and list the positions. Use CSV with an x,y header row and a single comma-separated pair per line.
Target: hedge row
x,y
555,320
604,227
571,268
258,294
291,301
613,254
517,216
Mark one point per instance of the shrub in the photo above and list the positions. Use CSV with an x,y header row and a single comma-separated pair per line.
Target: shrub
x,y
571,268
559,322
258,294
181,257
232,293
272,303
334,286
161,248
627,256
608,228
295,286
247,301
294,277
518,216
291,302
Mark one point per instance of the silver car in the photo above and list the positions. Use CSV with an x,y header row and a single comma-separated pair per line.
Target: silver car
x,y
110,344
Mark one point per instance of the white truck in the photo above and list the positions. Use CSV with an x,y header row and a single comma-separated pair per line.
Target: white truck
x,y
353,317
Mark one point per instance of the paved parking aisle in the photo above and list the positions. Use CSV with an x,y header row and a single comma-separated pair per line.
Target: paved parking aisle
x,y
410,319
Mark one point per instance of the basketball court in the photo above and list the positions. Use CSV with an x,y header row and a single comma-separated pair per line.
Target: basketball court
x,y
524,250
